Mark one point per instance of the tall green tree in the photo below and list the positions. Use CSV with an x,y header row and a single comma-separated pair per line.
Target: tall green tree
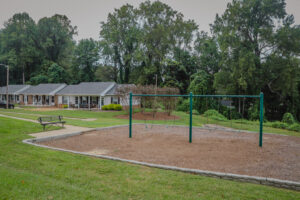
x,y
163,31
17,47
178,71
86,60
54,39
57,74
120,37
250,34
207,52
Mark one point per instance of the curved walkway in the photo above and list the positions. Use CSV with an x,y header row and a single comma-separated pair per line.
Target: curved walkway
x,y
66,130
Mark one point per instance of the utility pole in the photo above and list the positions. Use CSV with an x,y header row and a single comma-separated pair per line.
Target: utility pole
x,y
156,84
7,83
23,76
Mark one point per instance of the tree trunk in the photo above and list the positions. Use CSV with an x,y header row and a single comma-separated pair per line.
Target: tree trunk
x,y
23,75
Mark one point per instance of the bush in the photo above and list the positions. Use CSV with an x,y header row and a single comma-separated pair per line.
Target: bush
x,y
194,112
253,112
213,114
65,106
183,105
117,107
231,113
112,107
279,125
294,127
288,118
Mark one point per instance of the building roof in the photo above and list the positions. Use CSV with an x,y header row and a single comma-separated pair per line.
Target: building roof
x,y
45,89
113,91
88,88
14,89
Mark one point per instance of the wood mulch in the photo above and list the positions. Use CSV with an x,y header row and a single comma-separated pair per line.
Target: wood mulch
x,y
213,150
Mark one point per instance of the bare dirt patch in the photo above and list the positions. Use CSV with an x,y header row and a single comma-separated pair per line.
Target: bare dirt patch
x,y
213,150
149,116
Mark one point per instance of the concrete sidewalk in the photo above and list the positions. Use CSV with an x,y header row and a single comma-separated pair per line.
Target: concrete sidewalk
x,y
67,128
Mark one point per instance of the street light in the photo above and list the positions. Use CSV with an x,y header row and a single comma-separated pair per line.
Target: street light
x,y
7,81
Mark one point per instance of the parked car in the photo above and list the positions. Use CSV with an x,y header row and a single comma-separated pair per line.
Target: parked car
x,y
3,105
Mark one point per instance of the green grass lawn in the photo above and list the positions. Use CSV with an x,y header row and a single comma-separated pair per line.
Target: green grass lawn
x,y
109,119
29,172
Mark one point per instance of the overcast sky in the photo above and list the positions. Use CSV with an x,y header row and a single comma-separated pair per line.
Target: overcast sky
x,y
87,14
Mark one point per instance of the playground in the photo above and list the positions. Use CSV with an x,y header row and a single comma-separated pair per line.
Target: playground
x,y
220,150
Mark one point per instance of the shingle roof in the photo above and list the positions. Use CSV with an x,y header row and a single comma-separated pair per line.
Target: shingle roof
x,y
87,88
45,89
13,89
113,91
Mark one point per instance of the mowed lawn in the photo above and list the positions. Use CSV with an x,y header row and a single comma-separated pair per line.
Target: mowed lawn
x,y
110,118
29,172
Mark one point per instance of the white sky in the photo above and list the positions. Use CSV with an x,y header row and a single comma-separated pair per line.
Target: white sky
x,y
87,14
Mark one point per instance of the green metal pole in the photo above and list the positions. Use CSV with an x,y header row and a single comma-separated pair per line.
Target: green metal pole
x,y
130,114
191,116
261,118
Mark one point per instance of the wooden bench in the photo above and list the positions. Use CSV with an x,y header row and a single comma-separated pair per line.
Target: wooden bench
x,y
50,120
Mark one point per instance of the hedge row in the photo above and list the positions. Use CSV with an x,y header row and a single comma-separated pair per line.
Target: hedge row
x,y
112,107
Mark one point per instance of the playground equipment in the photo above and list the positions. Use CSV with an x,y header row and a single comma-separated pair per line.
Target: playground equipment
x,y
191,96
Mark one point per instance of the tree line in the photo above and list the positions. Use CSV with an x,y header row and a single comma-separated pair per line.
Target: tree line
x,y
253,47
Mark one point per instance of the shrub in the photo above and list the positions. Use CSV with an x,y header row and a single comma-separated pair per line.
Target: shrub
x,y
112,107
104,107
231,113
117,107
279,125
183,105
65,106
288,118
194,112
253,112
294,127
213,114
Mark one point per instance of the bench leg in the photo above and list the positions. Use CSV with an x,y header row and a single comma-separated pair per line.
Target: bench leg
x,y
44,127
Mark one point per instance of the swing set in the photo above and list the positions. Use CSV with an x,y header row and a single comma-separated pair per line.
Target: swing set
x,y
167,97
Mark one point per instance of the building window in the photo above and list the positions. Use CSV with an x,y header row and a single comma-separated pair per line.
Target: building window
x,y
17,97
76,100
84,100
102,100
114,100
52,99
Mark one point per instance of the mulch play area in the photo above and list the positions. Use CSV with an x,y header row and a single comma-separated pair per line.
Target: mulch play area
x,y
213,150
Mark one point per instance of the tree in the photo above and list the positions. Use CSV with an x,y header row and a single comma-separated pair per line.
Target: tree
x,y
201,84
120,40
207,52
106,73
252,34
54,39
86,58
40,78
17,47
56,74
163,31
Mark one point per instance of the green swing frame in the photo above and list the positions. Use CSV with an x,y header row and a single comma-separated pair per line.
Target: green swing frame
x,y
191,96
